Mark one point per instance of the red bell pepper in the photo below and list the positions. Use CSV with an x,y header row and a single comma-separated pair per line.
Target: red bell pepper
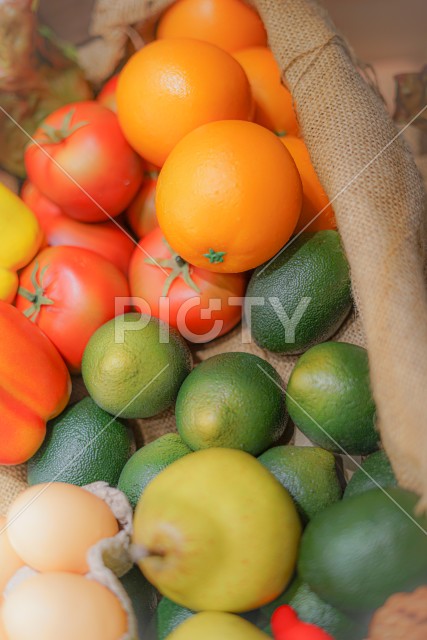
x,y
286,626
35,385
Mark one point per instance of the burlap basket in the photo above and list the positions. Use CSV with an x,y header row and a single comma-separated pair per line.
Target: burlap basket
x,y
378,197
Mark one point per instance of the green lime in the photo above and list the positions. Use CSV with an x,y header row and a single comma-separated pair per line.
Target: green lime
x,y
232,400
147,462
361,550
329,398
83,444
375,471
133,366
302,296
308,473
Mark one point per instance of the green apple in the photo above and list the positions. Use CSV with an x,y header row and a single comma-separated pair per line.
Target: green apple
x,y
211,625
216,531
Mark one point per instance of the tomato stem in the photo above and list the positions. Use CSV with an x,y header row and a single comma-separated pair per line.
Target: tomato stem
x,y
56,135
179,269
37,296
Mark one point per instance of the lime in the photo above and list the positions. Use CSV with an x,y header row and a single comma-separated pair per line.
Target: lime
x,y
232,400
308,473
329,398
133,366
147,462
375,471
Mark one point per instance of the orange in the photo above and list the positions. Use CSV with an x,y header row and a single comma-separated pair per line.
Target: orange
x,y
273,101
314,197
230,24
170,87
229,196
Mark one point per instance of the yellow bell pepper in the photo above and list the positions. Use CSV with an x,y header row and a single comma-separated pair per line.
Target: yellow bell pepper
x,y
20,239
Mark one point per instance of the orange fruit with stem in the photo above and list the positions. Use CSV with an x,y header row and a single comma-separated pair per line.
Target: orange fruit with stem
x,y
230,24
316,213
171,87
229,196
273,101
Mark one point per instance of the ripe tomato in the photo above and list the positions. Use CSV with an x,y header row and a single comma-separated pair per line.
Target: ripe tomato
x,y
83,163
69,293
141,213
108,239
201,304
107,95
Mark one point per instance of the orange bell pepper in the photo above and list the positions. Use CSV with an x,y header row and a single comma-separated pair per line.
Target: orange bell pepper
x,y
35,385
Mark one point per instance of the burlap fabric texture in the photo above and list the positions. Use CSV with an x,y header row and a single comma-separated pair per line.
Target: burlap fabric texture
x,y
378,198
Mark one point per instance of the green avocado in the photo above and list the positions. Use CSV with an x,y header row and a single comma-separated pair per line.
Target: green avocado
x,y
302,296
83,444
358,552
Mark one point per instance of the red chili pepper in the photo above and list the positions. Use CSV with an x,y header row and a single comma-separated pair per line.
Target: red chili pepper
x,y
287,626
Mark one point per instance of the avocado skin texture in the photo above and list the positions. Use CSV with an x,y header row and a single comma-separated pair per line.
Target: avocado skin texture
x,y
307,287
84,444
360,551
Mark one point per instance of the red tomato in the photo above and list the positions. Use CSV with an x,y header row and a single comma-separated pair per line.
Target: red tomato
x,y
83,163
108,239
141,213
200,315
69,293
107,95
